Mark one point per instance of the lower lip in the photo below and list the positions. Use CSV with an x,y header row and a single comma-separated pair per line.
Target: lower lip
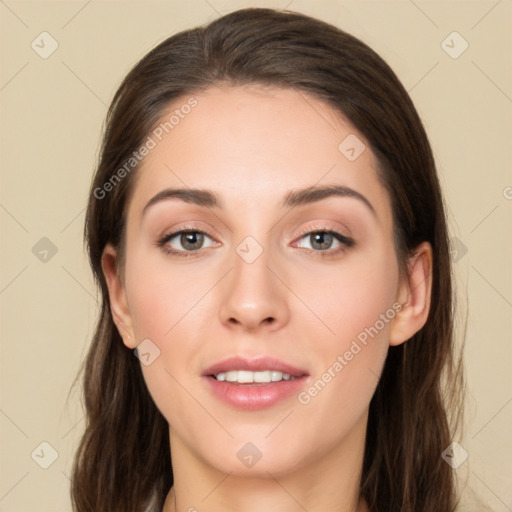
x,y
257,396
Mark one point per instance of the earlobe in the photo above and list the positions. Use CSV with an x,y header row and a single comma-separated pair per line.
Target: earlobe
x,y
117,296
415,295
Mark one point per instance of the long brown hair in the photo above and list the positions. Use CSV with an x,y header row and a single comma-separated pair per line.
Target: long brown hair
x,y
123,461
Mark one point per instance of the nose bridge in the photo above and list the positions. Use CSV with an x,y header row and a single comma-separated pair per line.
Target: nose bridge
x,y
252,295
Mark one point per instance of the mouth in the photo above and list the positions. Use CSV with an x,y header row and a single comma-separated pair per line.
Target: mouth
x,y
254,384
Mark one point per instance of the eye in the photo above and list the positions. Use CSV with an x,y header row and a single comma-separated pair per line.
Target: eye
x,y
184,241
324,240
187,241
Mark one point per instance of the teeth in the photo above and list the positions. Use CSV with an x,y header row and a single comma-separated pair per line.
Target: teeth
x,y
276,376
247,377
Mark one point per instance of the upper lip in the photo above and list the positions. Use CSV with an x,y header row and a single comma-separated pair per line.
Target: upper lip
x,y
254,365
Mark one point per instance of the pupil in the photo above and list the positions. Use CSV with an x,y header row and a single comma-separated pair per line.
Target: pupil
x,y
324,240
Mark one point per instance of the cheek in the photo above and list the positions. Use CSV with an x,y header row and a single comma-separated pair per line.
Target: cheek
x,y
161,296
357,307
353,297
166,308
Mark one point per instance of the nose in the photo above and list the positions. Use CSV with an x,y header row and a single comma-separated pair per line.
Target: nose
x,y
253,296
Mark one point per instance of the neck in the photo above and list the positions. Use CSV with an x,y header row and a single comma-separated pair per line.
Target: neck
x,y
171,505
330,482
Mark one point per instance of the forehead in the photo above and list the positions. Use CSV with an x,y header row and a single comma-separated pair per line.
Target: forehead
x,y
254,144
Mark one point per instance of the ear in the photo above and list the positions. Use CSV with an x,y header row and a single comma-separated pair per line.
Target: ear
x,y
414,294
118,303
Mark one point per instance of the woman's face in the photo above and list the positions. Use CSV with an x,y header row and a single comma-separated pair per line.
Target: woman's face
x,y
273,269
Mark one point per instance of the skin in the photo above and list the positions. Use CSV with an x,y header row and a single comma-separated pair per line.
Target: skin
x,y
252,145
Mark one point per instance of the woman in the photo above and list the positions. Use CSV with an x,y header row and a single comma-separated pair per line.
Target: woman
x,y
268,232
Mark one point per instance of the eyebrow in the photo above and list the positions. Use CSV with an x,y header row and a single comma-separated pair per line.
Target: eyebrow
x,y
209,199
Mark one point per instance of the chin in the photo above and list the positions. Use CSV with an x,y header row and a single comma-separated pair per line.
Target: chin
x,y
257,458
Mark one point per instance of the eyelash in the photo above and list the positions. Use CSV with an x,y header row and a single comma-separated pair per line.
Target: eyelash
x,y
345,242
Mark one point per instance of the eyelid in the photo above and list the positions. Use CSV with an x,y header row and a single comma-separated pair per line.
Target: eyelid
x,y
324,229
190,226
184,229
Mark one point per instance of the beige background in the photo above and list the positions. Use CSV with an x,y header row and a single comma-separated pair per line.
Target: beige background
x,y
52,112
